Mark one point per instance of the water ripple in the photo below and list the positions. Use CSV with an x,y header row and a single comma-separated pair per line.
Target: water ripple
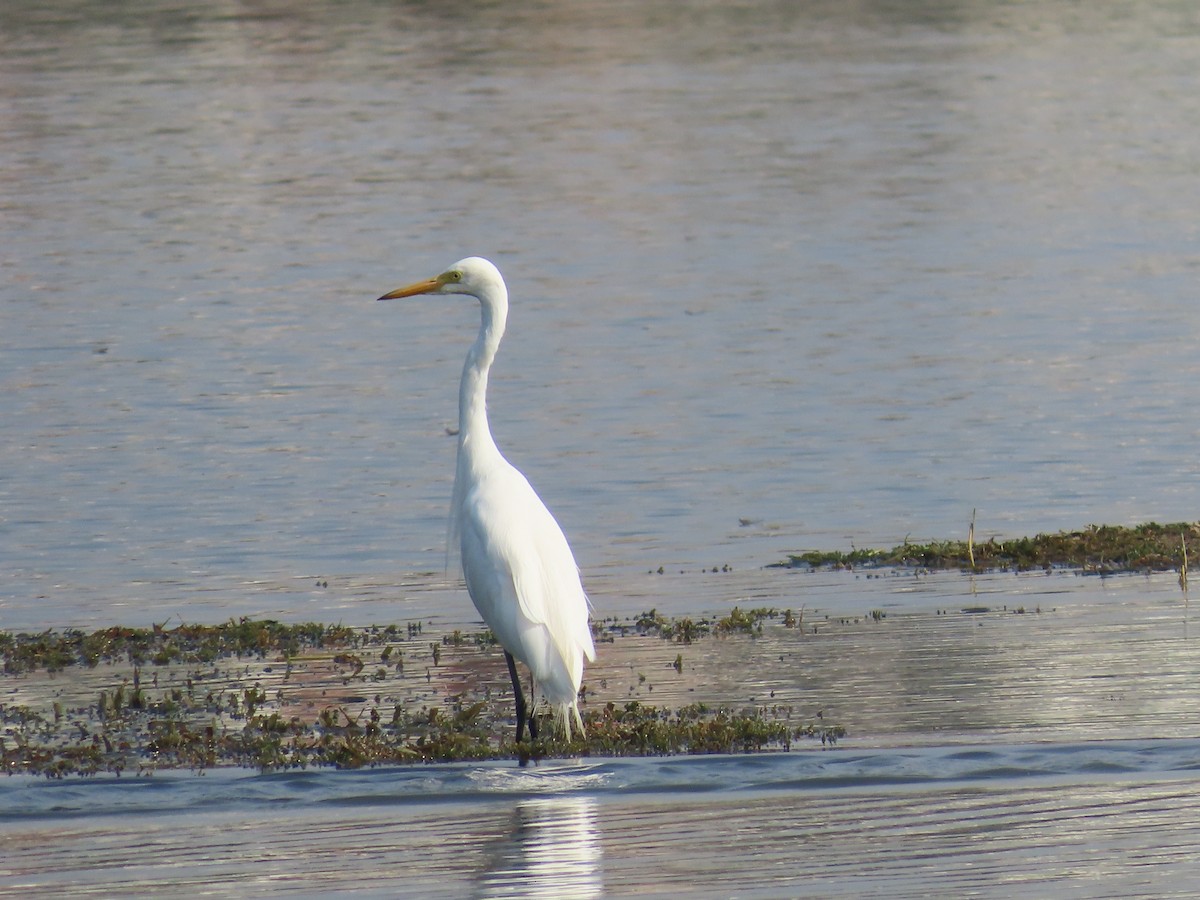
x,y
25,797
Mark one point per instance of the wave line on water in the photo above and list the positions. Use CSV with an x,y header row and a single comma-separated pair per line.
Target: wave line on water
x,y
801,771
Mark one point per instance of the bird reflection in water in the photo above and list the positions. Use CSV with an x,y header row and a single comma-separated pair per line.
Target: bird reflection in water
x,y
551,850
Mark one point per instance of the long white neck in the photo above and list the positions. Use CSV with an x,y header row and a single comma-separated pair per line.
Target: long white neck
x,y
475,443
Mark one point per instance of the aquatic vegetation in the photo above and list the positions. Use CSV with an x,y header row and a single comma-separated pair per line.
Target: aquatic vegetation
x,y
196,697
269,695
684,630
1096,549
635,728
745,621
271,742
55,651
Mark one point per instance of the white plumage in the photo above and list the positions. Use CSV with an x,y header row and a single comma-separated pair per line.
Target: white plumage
x,y
519,569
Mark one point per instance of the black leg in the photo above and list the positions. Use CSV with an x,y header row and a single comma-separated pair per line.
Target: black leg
x,y
516,683
533,725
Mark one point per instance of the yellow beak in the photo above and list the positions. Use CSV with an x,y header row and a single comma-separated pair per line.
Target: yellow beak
x,y
428,286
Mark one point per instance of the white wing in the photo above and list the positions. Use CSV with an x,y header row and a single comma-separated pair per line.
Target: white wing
x,y
524,581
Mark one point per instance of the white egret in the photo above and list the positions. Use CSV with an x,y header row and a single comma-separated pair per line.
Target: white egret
x,y
518,566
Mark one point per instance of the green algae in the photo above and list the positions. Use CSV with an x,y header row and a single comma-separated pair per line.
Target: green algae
x,y
1097,549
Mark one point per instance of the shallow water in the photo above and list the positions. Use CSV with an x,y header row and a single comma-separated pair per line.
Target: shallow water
x,y
1109,819
1040,741
785,276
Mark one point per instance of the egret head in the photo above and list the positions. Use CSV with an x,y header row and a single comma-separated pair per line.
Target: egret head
x,y
473,275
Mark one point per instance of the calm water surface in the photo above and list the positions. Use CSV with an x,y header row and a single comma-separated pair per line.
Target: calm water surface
x,y
843,276
784,276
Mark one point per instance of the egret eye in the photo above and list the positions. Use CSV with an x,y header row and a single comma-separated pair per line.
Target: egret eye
x,y
454,275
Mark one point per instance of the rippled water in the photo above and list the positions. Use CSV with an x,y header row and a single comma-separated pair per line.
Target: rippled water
x,y
784,276
1040,741
1016,820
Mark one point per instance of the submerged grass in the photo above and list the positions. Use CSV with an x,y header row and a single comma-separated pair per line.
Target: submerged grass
x,y
1096,549
686,629
55,650
266,695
